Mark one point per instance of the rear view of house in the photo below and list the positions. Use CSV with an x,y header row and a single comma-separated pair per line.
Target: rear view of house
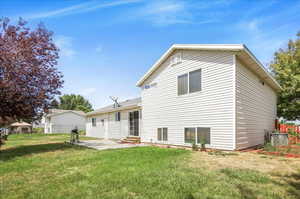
x,y
63,121
218,95
215,94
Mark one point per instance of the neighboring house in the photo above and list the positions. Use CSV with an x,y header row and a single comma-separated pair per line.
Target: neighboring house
x,y
217,94
63,121
20,127
116,121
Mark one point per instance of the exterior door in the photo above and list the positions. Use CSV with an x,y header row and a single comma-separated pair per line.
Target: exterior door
x,y
134,123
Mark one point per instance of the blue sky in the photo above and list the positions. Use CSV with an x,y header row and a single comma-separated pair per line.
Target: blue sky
x,y
106,46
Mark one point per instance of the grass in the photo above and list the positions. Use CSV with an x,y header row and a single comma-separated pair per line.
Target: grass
x,y
290,149
42,166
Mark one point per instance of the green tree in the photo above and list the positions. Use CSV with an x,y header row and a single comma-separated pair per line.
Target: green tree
x,y
74,102
286,68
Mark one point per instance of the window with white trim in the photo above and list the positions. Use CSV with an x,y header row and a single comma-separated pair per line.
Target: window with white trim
x,y
94,121
189,82
197,135
117,116
162,134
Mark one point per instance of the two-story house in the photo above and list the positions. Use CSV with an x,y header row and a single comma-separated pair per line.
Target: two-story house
x,y
220,95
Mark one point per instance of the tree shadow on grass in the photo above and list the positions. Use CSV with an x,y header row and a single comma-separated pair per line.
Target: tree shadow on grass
x,y
293,180
11,153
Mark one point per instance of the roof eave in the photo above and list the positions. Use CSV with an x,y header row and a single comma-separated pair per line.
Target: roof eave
x,y
114,110
227,47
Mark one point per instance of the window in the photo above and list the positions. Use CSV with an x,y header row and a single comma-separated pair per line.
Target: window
x,y
102,122
189,82
190,135
183,84
118,116
202,134
159,134
162,134
165,134
176,59
195,81
94,121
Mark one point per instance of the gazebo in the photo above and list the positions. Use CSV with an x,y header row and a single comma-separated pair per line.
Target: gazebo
x,y
20,127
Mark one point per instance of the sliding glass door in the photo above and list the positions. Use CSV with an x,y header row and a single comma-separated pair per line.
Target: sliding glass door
x,y
134,123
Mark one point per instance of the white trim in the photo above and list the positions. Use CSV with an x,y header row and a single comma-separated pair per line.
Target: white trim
x,y
234,102
219,47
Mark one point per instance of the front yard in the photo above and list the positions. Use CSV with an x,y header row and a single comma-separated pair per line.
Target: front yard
x,y
42,166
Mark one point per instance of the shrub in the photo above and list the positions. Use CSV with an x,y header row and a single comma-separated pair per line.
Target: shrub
x,y
38,130
195,147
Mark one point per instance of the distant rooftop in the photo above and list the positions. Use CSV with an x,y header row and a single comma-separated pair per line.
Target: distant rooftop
x,y
53,112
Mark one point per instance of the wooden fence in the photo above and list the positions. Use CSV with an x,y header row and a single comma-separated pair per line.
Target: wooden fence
x,y
284,128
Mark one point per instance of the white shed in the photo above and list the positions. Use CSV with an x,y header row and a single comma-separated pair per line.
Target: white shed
x,y
63,121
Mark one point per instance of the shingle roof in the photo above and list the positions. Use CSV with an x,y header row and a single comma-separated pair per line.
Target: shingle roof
x,y
123,105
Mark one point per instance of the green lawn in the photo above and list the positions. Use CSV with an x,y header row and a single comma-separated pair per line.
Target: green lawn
x,y
42,166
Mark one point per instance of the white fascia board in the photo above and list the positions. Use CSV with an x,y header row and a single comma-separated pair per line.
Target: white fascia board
x,y
226,47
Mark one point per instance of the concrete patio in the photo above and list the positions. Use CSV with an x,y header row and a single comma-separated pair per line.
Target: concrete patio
x,y
107,144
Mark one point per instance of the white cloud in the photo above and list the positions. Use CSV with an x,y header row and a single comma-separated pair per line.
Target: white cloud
x,y
79,8
165,12
65,45
170,12
99,49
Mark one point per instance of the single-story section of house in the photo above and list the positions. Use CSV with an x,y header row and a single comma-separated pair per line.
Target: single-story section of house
x,y
219,95
63,121
116,121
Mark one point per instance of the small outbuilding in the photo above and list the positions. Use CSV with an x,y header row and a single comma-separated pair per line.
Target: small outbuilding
x,y
20,127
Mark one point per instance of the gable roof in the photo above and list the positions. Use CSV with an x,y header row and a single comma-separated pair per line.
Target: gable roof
x,y
130,103
241,50
54,112
17,124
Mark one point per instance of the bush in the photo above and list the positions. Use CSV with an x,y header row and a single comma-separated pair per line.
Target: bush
x,y
82,132
38,130
195,147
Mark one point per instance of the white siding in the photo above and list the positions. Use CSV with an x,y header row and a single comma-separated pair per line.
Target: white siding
x,y
212,107
64,123
98,130
256,108
115,129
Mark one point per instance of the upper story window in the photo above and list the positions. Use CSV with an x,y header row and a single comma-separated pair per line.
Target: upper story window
x,y
94,121
189,82
117,116
176,59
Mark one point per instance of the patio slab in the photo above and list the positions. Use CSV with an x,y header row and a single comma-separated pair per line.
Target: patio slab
x,y
107,144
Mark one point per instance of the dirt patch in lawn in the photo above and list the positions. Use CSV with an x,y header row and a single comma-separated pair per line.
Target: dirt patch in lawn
x,y
245,160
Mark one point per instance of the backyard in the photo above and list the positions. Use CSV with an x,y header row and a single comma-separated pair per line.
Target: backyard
x,y
42,166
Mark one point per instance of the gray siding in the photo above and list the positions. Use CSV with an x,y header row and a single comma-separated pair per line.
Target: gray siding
x,y
256,108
